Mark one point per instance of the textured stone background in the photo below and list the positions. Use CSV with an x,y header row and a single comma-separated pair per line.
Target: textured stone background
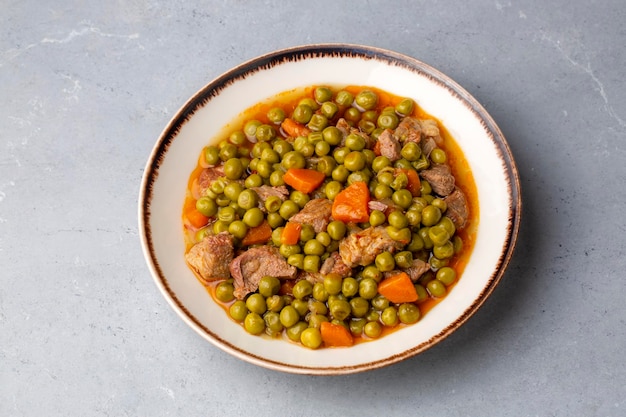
x,y
86,90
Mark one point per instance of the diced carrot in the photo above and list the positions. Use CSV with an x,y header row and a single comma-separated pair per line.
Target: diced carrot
x,y
376,148
291,233
304,180
335,335
350,205
259,234
414,185
398,288
294,129
196,218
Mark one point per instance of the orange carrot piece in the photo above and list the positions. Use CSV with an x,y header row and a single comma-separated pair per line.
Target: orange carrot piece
x,y
294,129
291,233
335,335
414,185
398,289
304,180
350,205
196,219
260,234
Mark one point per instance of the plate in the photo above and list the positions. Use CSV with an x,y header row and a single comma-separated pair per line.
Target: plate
x,y
205,115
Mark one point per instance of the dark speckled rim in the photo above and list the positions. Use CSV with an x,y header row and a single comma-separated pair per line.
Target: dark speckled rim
x,y
302,53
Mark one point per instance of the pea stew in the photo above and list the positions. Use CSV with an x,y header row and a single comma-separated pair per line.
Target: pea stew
x,y
330,215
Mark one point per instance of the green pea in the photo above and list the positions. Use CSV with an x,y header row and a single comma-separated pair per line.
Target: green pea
x,y
344,98
332,135
206,206
265,133
276,115
250,128
411,151
331,189
366,126
253,180
446,275
248,199
354,161
301,306
256,303
436,288
377,218
324,238
322,94
329,109
222,201
438,156
457,242
272,323
387,120
405,107
238,229
366,99
224,292
326,164
340,173
238,311
444,251
349,287
219,227
355,142
212,155
308,101
307,232
430,215
425,188
399,235
380,162
322,148
385,262
217,186
299,198
296,259
397,219
254,323
371,272
385,177
311,263
359,176
293,159
319,292
202,233
408,313
340,154
281,147
317,307
275,220
289,316
275,303
311,338
373,329
288,209
368,288
313,247
315,320
233,169
356,326
268,286
414,217
340,309
336,229
294,332
302,113
422,294
352,115
403,198
389,316
226,215
318,122
287,250
332,284
253,217
404,259
302,289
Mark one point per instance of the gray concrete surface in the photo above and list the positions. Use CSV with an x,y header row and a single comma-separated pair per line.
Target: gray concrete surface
x,y
88,86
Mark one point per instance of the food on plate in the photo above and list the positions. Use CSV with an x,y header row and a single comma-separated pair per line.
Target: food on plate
x,y
330,215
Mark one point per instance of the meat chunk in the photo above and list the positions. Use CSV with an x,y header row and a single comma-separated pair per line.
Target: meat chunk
x,y
362,247
248,268
458,210
430,129
316,212
389,145
209,258
345,129
208,175
335,265
428,144
440,179
408,130
377,205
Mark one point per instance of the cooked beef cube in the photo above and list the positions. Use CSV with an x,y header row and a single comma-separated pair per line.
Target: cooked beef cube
x,y
362,247
312,277
389,145
408,130
266,191
316,212
415,271
458,210
440,179
377,205
208,175
248,268
430,129
335,265
343,126
209,258
345,129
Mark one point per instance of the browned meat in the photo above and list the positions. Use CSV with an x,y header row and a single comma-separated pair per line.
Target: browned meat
x,y
316,212
389,145
208,175
335,265
343,127
209,258
312,277
430,129
409,130
377,205
440,179
458,210
362,247
428,144
248,268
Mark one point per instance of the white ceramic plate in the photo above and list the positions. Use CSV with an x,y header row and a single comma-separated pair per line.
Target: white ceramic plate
x,y
206,113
